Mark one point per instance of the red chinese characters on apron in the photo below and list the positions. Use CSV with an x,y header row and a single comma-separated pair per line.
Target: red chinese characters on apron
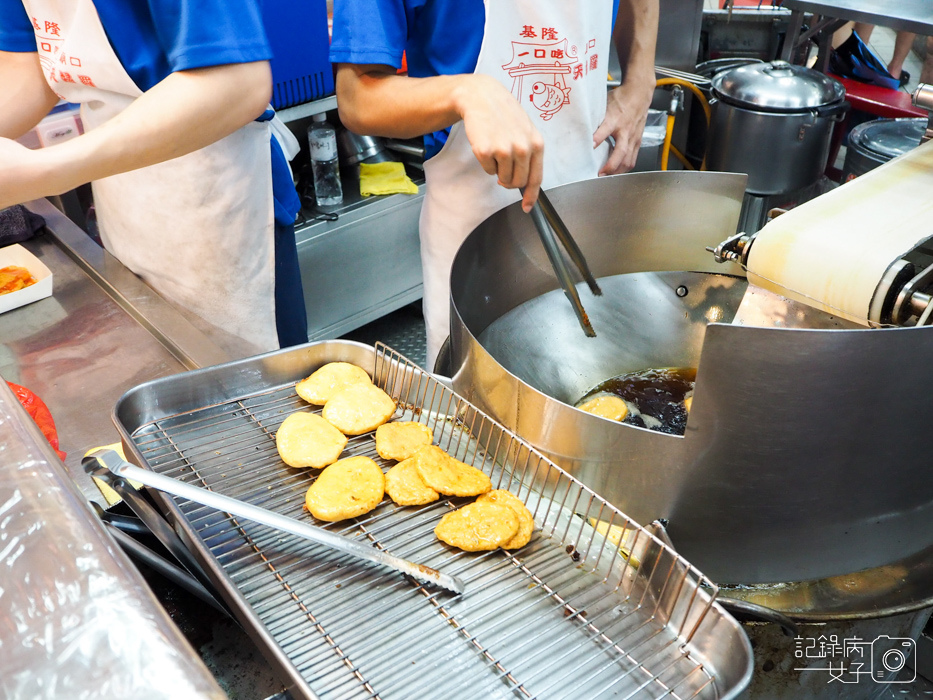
x,y
553,56
198,229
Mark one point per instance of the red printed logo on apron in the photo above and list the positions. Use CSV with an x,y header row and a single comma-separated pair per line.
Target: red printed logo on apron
x,y
550,64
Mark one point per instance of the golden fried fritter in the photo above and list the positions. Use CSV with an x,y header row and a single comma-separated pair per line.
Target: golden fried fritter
x,y
307,440
346,489
406,487
358,408
611,407
526,523
478,527
400,439
449,476
328,380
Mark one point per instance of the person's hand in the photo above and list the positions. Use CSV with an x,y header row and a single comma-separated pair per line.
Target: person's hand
x,y
504,140
22,176
626,111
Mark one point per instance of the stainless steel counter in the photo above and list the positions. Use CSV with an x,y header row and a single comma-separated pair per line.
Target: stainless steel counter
x,y
903,15
102,331
363,265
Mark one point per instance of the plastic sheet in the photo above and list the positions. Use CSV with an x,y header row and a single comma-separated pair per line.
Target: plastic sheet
x,y
76,618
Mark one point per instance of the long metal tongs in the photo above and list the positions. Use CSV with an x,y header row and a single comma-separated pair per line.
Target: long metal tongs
x,y
112,461
549,223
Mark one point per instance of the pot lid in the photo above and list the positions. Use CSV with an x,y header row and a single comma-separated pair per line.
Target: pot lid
x,y
889,137
777,86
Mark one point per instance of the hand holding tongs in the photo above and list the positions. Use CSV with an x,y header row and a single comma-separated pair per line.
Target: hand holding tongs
x,y
548,222
112,461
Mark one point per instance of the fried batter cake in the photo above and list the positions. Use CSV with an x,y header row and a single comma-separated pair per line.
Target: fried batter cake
x,y
307,440
346,489
611,407
449,476
478,527
526,523
399,440
328,380
358,408
406,487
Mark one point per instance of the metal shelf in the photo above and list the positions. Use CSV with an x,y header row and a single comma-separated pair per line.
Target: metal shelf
x,y
308,109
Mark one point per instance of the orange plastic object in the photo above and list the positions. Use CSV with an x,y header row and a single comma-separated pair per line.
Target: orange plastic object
x,y
40,413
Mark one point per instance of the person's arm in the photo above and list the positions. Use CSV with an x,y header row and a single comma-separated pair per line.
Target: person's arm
x,y
635,37
25,97
187,111
373,99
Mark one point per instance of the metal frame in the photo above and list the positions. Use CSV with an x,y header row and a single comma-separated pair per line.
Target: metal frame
x,y
569,615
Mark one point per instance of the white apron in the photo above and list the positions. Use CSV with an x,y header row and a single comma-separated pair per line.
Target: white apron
x,y
198,229
554,57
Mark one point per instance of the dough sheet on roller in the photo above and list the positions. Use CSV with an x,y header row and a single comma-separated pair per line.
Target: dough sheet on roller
x,y
832,251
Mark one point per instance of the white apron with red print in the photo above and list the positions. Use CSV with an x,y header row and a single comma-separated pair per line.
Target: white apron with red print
x,y
553,56
198,229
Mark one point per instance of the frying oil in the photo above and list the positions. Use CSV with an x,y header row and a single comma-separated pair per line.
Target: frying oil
x,y
655,397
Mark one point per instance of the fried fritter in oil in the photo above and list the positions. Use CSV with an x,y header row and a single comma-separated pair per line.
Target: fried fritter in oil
x,y
611,407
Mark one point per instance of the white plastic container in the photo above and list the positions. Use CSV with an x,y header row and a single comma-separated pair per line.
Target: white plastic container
x,y
17,255
652,138
62,124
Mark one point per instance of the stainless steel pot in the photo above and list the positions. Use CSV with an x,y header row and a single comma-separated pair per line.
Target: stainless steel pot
x,y
788,470
773,121
699,128
876,142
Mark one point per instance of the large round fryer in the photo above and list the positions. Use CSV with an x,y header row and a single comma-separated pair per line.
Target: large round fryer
x,y
804,456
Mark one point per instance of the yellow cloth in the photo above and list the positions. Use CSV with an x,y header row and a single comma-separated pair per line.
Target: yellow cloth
x,y
385,178
111,496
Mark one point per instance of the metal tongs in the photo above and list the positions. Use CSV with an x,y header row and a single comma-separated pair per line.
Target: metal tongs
x,y
549,223
113,462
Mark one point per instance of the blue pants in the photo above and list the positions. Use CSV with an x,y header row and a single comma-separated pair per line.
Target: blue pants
x,y
291,319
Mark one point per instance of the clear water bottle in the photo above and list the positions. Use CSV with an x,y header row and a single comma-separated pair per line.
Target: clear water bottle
x,y
324,162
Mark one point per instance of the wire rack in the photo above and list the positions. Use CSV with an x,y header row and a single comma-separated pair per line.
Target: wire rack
x,y
570,615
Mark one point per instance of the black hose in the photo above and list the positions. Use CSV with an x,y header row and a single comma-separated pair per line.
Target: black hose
x,y
173,573
126,523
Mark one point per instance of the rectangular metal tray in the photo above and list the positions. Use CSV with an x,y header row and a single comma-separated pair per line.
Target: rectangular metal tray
x,y
570,615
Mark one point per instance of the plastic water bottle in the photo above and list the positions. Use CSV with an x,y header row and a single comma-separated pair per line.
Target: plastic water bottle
x,y
324,162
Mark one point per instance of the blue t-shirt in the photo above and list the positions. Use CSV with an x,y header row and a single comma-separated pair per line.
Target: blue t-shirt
x,y
439,37
155,38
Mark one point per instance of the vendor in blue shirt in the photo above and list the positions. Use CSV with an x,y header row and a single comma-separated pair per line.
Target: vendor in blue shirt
x,y
192,192
521,86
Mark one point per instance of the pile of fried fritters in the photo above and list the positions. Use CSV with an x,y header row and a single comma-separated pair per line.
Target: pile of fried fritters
x,y
351,487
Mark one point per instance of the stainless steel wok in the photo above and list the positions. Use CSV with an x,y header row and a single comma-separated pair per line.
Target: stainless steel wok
x,y
805,453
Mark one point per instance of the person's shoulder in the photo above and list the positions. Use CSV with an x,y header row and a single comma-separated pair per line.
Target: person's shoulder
x,y
16,30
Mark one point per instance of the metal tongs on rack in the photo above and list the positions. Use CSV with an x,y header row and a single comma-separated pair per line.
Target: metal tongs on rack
x,y
105,458
549,223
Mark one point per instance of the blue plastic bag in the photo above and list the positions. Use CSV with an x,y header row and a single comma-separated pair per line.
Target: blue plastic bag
x,y
855,59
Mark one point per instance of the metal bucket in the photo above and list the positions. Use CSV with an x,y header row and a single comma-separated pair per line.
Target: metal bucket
x,y
876,142
804,455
